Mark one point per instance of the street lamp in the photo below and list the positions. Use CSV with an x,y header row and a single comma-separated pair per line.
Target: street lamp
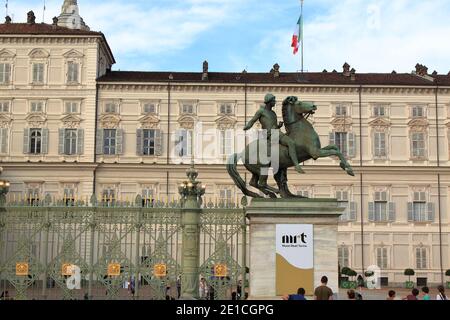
x,y
4,188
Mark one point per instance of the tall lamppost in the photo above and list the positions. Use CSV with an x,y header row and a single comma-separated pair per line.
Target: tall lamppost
x,y
191,192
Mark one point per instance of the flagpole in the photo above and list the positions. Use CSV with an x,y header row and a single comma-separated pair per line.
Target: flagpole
x,y
301,30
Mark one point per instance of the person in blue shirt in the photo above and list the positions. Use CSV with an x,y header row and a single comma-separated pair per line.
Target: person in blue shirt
x,y
299,296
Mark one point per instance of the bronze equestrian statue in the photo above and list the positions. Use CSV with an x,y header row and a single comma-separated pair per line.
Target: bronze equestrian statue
x,y
307,146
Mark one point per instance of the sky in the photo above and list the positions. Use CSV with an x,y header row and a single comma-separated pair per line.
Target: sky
x,y
233,35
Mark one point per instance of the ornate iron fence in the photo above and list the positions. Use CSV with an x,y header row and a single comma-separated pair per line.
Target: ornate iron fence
x,y
116,250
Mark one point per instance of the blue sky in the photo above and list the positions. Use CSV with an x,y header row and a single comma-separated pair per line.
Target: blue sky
x,y
178,35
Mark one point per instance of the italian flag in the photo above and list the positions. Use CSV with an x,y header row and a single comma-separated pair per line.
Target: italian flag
x,y
298,35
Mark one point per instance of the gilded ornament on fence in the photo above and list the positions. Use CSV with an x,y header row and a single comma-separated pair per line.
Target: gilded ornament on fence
x,y
67,269
21,269
220,270
114,269
160,270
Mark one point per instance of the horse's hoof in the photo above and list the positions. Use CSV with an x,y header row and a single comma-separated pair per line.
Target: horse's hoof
x,y
350,172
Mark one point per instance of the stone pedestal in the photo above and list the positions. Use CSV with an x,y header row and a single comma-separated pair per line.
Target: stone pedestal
x,y
265,214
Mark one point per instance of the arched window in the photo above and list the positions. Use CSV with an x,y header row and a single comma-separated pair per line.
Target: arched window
x,y
35,141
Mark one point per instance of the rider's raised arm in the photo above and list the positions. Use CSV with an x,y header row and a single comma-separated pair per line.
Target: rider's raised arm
x,y
253,120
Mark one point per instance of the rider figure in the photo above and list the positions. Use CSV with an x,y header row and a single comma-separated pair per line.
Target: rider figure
x,y
268,119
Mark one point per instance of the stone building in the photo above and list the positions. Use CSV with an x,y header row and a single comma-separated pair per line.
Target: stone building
x,y
71,127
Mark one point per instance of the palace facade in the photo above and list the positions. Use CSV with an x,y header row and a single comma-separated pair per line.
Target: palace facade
x,y
71,127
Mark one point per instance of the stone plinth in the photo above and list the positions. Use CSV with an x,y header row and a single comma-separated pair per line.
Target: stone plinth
x,y
265,214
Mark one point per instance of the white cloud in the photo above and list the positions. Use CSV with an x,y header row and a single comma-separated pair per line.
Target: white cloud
x,y
373,36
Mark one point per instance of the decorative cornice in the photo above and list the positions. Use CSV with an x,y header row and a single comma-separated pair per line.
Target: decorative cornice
x,y
187,122
149,121
342,123
36,119
226,122
380,124
71,121
418,125
109,121
5,121
73,54
39,54
6,54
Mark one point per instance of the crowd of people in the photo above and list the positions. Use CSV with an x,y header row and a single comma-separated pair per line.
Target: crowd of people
x,y
323,292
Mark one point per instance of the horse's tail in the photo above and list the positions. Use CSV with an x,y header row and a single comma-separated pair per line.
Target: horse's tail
x,y
234,174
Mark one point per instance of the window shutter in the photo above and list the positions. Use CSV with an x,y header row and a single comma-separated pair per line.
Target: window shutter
x,y
139,142
35,72
158,142
45,137
430,211
410,212
119,141
332,138
371,211
99,144
80,141
178,142
26,141
391,211
4,142
61,135
351,145
353,210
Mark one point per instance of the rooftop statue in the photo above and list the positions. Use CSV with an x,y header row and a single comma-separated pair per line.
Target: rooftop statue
x,y
300,143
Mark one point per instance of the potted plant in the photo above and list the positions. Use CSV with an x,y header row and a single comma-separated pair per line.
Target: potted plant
x,y
352,274
447,273
344,277
409,272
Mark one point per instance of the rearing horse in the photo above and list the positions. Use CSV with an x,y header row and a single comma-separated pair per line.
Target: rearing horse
x,y
307,144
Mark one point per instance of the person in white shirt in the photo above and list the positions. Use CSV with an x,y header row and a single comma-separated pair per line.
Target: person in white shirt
x,y
441,295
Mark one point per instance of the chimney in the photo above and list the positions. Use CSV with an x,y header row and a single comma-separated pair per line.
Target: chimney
x,y
8,20
346,69
353,74
435,73
205,71
31,18
275,70
421,70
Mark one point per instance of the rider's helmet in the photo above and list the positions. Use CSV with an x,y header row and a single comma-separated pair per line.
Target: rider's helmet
x,y
268,98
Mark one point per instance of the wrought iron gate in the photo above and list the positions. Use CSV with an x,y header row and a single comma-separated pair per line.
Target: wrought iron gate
x,y
119,250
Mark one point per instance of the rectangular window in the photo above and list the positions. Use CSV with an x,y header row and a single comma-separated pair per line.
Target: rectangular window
x,y
418,144
341,141
382,258
70,141
109,141
226,108
226,196
149,108
3,140
71,107
35,141
5,73
187,108
380,144
343,257
38,73
4,107
184,143
69,195
421,258
108,197
418,112
72,72
33,195
37,106
148,142
379,111
110,107
303,193
148,197
419,206
226,142
341,110
380,206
